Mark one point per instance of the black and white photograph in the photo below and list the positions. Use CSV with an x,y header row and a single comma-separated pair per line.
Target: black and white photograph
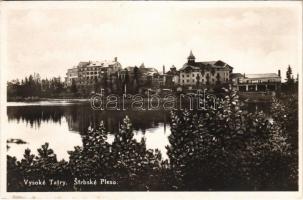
x,y
142,96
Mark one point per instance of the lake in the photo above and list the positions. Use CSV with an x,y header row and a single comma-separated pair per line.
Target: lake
x,y
61,124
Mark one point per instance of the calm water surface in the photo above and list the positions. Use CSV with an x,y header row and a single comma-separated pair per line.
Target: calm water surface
x,y
61,124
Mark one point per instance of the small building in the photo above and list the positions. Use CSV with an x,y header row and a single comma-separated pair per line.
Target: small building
x,y
144,75
172,77
235,78
158,80
147,73
258,82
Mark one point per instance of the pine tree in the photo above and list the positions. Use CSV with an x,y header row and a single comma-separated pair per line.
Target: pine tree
x,y
289,77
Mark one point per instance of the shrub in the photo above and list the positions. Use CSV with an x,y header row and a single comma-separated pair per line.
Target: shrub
x,y
228,149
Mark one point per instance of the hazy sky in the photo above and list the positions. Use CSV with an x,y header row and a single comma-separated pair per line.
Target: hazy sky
x,y
253,38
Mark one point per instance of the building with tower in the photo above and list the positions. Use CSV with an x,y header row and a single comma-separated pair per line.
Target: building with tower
x,y
204,73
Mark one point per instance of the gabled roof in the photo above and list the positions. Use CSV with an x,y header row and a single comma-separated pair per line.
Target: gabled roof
x,y
83,64
206,65
107,63
149,71
208,62
186,66
172,71
74,69
145,70
104,63
95,63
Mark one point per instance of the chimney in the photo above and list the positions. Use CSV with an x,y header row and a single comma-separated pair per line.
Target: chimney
x,y
244,75
163,69
116,59
279,73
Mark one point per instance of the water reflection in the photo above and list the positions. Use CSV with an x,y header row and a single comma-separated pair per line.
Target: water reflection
x,y
56,134
63,125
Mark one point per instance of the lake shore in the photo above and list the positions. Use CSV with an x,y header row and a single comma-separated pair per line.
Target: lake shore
x,y
38,99
245,96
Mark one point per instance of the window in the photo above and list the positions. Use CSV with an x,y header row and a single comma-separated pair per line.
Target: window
x,y
187,81
193,75
187,75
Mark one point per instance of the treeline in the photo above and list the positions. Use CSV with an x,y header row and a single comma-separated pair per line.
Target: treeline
x,y
35,87
226,149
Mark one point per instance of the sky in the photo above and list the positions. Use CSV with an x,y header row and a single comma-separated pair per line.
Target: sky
x,y
255,37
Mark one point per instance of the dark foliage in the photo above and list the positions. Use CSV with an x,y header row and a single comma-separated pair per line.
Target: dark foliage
x,y
228,149
125,161
225,148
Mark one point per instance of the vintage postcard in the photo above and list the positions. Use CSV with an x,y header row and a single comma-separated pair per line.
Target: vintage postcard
x,y
199,98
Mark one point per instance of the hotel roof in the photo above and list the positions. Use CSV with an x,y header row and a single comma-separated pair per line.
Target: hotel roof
x,y
206,65
104,63
265,75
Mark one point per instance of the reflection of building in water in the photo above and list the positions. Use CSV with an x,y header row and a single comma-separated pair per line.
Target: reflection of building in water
x,y
257,82
73,125
80,117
